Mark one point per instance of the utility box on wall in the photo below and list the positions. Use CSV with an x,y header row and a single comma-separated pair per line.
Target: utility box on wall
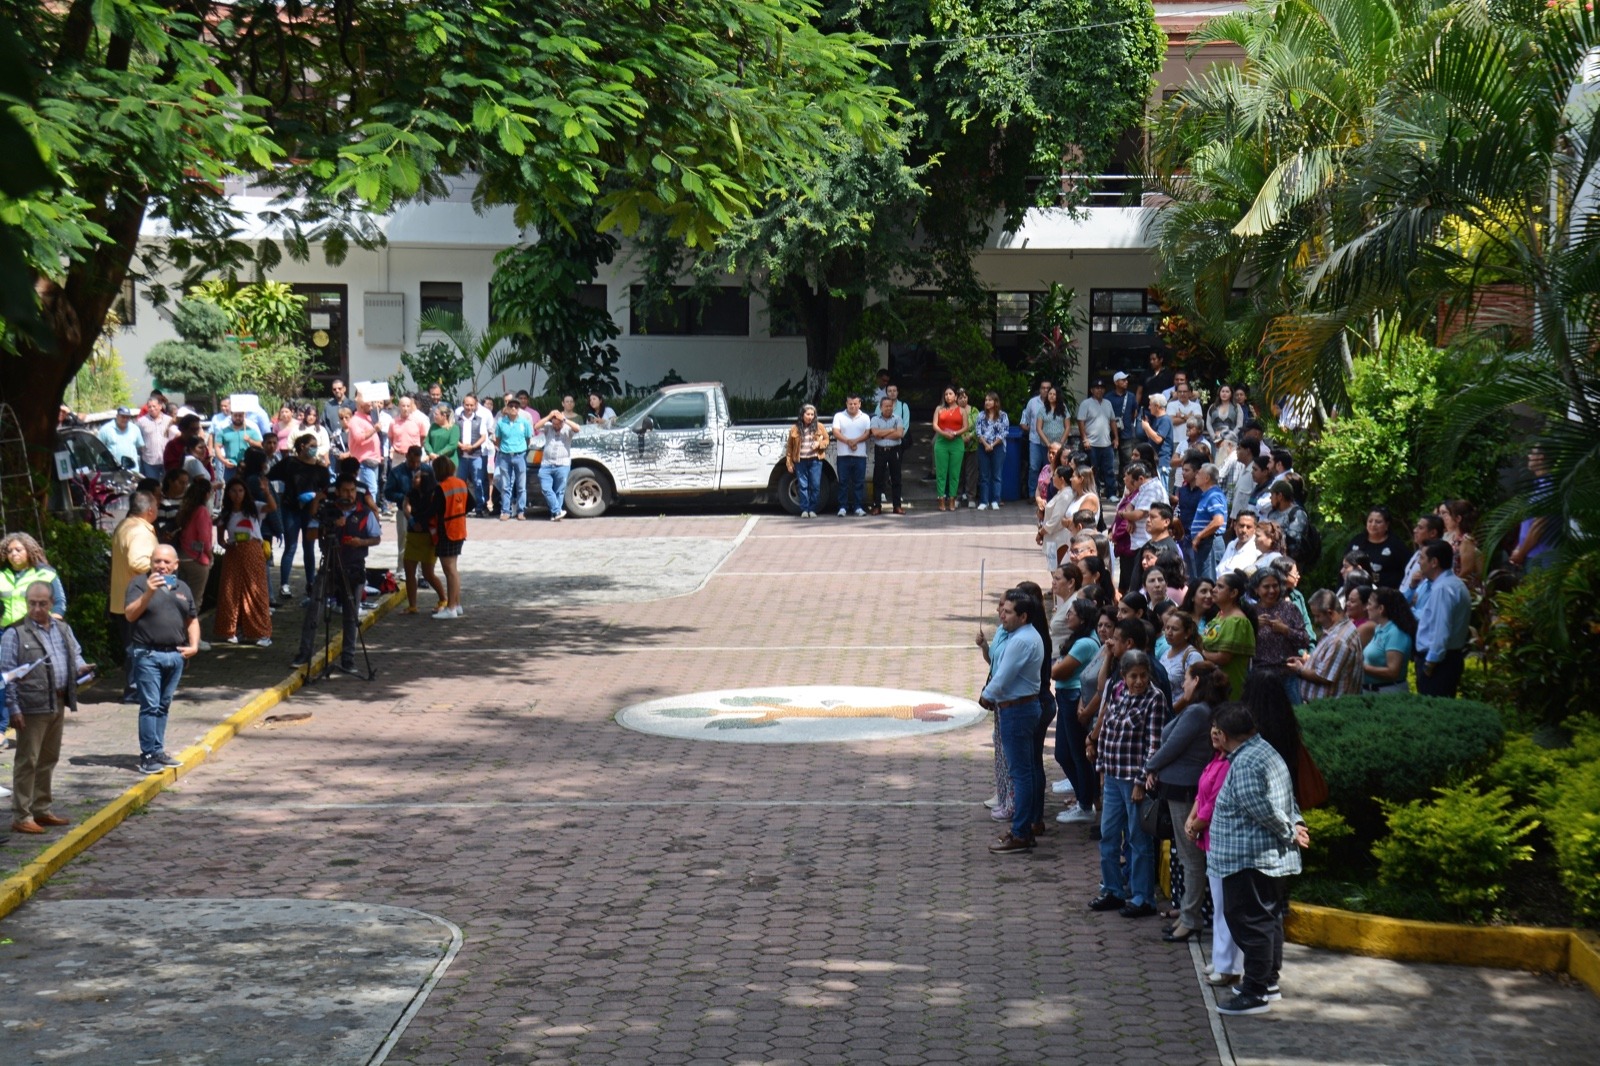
x,y
385,314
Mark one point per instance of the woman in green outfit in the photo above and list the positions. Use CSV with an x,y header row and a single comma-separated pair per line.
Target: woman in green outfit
x,y
25,564
949,426
444,436
1230,637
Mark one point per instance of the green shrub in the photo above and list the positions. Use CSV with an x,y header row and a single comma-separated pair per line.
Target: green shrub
x,y
1542,670
1572,817
1395,747
854,369
1333,843
1524,768
1460,846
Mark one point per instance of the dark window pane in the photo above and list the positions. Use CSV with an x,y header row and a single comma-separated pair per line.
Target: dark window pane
x,y
442,296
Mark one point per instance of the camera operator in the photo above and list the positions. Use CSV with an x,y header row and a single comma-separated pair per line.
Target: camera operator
x,y
349,527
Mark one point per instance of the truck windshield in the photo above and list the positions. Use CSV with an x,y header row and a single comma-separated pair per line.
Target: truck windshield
x,y
676,410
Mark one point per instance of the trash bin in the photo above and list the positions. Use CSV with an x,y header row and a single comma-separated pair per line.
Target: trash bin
x,y
1014,472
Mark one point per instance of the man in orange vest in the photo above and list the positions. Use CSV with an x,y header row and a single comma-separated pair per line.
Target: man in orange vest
x,y
450,532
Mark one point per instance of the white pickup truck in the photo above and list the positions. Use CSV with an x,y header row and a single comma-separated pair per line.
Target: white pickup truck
x,y
680,441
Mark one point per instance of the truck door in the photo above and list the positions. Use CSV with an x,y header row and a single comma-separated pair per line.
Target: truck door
x,y
678,452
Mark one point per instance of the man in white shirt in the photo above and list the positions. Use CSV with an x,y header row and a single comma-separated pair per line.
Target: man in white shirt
x,y
1181,404
1097,423
851,428
1038,447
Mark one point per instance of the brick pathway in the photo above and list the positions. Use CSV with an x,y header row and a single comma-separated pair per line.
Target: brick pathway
x,y
632,899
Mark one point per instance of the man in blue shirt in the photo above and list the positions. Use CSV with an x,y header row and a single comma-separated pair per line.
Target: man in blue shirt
x,y
1157,428
1125,406
1013,695
1210,518
123,438
1444,616
1038,447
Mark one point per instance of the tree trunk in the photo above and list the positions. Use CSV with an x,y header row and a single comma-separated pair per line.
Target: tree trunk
x,y
828,321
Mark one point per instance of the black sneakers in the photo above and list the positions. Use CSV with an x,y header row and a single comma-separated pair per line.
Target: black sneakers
x,y
150,764
1105,901
1243,1004
1271,995
166,759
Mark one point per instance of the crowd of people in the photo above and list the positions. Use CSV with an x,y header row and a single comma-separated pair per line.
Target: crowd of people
x,y
1174,643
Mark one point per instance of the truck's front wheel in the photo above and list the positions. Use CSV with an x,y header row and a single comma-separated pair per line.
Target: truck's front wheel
x,y
789,492
586,494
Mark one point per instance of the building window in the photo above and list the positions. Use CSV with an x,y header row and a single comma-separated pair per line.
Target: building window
x,y
724,313
1011,311
1122,332
592,296
442,296
783,321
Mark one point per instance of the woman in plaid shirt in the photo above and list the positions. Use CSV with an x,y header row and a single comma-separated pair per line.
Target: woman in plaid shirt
x,y
1127,735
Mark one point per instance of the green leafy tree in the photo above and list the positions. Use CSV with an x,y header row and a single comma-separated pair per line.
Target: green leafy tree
x,y
465,355
1002,93
145,108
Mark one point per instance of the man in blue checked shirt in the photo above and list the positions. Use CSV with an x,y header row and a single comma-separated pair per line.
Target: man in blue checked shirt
x,y
1256,837
1444,619
1013,695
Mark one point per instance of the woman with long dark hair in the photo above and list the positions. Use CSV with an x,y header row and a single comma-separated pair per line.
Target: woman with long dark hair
x,y
949,448
1078,647
1387,656
808,443
195,539
243,599
1174,775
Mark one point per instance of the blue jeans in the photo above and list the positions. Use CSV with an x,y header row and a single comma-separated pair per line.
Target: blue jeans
x,y
368,476
294,530
1071,736
155,470
512,473
991,467
553,483
852,482
1119,823
808,476
1017,726
1104,461
155,676
1206,558
1038,455
470,470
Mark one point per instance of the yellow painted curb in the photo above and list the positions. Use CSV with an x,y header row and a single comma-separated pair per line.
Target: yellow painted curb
x,y
1514,947
25,882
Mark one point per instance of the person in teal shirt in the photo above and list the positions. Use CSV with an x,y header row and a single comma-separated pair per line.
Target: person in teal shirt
x,y
1389,651
512,433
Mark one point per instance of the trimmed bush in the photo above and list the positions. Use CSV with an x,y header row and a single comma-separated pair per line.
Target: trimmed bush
x,y
1395,748
1459,847
1572,817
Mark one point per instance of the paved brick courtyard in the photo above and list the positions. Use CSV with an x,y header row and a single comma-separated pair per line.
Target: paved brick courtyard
x,y
627,898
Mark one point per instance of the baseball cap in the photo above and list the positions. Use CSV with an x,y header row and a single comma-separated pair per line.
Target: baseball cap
x,y
1119,376
124,411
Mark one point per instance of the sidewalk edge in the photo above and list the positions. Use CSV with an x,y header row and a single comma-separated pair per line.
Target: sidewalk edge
x,y
1558,950
14,890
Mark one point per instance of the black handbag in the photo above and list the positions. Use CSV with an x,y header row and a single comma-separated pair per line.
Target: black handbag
x,y
1155,817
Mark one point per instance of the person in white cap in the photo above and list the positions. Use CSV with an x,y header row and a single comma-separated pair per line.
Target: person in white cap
x,y
1125,406
123,438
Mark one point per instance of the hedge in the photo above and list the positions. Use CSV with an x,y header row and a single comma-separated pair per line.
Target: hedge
x,y
1395,748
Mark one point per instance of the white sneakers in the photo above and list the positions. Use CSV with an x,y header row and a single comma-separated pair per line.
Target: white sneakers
x,y
448,612
841,510
266,642
1062,787
1077,814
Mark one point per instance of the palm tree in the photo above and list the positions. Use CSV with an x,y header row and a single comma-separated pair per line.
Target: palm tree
x,y
487,352
1254,156
1482,171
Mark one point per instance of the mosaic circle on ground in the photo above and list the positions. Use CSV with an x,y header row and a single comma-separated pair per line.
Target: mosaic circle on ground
x,y
801,714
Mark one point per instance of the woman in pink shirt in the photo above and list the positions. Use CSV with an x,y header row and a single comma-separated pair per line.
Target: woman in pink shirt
x,y
1226,964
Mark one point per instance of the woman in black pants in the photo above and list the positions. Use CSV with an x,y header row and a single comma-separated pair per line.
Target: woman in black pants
x,y
1078,646
1047,707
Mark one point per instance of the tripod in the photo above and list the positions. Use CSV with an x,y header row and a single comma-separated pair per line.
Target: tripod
x,y
333,583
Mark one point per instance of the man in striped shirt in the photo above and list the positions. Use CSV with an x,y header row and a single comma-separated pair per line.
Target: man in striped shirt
x,y
1334,667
